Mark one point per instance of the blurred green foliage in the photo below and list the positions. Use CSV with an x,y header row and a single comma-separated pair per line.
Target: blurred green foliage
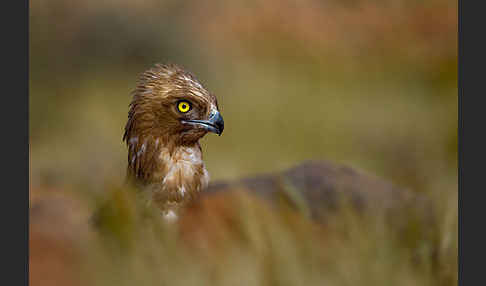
x,y
256,246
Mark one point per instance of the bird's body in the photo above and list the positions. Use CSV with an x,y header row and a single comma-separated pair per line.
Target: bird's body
x,y
169,113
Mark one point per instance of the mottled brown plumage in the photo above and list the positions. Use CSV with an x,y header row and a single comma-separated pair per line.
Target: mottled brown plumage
x,y
164,155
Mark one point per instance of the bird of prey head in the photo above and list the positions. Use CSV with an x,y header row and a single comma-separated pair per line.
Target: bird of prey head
x,y
169,112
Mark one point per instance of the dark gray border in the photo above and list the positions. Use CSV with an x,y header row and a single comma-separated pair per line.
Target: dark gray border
x,y
14,118
471,143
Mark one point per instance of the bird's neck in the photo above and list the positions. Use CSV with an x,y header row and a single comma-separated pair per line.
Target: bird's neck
x,y
174,174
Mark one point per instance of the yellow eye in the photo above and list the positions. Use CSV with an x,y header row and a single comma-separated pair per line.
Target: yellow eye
x,y
183,106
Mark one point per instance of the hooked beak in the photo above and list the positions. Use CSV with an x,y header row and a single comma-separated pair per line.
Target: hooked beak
x,y
214,124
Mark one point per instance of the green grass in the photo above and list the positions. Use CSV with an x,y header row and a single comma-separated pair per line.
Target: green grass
x,y
259,246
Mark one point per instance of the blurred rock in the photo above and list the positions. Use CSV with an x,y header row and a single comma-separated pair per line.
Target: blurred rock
x,y
313,194
319,186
